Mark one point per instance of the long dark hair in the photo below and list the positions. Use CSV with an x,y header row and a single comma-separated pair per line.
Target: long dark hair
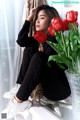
x,y
50,11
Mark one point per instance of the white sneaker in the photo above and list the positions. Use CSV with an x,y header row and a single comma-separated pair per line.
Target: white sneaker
x,y
14,108
12,92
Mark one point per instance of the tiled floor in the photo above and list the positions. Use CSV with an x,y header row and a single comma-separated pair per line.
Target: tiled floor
x,y
39,112
42,113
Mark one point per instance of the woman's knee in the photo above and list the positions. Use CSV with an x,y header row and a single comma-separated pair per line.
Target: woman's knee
x,y
39,55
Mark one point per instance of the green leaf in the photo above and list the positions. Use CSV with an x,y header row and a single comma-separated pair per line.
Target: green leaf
x,y
61,66
55,46
55,58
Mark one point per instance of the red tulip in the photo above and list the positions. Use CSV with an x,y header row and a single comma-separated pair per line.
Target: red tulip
x,y
76,23
51,30
41,37
57,23
72,16
65,25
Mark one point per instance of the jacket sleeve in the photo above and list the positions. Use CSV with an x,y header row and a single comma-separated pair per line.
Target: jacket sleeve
x,y
23,40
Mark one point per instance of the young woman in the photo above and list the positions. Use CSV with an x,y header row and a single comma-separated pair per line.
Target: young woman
x,y
34,68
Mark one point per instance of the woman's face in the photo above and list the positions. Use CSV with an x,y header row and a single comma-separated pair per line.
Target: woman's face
x,y
42,21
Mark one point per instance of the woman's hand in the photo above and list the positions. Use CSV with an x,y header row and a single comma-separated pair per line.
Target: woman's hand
x,y
30,17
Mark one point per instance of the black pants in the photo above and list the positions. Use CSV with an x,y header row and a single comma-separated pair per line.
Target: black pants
x,y
34,70
31,71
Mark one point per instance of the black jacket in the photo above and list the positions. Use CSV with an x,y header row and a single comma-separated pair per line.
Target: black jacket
x,y
55,84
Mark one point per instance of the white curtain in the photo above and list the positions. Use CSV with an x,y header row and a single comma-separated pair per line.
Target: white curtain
x,y
11,20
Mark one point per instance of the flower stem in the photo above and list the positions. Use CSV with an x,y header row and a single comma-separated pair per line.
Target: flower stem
x,y
63,43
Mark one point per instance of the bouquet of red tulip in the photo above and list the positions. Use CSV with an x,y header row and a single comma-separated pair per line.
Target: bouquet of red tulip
x,y
67,44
